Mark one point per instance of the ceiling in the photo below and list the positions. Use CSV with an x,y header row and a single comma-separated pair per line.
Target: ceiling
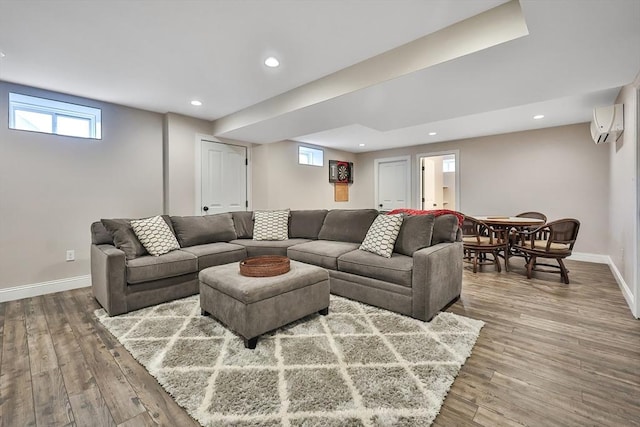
x,y
159,55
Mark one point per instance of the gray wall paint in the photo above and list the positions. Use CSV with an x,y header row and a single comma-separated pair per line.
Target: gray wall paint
x,y
52,187
280,182
558,171
180,141
623,188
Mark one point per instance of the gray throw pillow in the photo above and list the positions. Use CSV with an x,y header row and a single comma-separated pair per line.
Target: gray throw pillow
x,y
124,238
306,224
445,229
100,235
415,234
243,223
199,230
347,225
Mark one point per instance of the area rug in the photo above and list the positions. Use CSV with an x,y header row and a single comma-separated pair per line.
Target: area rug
x,y
358,366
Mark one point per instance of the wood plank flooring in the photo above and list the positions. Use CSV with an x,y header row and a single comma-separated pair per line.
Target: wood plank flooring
x,y
550,355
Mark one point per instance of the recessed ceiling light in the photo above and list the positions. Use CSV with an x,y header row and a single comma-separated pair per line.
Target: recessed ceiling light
x,y
271,62
196,103
538,117
361,145
433,133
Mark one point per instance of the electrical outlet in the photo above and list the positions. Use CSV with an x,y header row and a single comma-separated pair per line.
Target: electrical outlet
x,y
71,255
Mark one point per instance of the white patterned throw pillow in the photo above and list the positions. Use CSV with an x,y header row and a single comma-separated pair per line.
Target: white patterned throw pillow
x,y
155,235
382,235
271,225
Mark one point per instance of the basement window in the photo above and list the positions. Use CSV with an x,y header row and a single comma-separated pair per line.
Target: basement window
x,y
449,165
35,114
310,156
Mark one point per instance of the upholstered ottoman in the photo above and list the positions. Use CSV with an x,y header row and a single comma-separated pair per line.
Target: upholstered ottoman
x,y
252,306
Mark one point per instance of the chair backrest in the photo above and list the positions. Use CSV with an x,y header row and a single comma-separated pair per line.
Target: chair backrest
x,y
472,227
564,231
536,215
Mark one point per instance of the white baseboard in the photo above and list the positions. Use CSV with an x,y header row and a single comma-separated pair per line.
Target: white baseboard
x,y
36,289
587,257
626,291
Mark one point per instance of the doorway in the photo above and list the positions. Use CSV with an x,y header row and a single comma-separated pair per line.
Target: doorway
x,y
223,178
392,183
439,181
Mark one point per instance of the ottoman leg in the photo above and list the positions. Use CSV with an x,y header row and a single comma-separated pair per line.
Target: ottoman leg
x,y
324,311
250,343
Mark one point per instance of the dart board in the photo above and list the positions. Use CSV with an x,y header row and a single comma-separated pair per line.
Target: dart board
x,y
340,171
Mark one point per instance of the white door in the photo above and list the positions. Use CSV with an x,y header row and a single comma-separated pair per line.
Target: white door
x,y
223,178
432,183
428,188
394,184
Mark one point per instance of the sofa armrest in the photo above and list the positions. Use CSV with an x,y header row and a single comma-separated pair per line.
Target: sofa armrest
x,y
108,278
437,278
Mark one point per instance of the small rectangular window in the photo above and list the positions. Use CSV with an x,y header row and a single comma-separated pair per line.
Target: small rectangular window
x,y
35,114
449,165
310,156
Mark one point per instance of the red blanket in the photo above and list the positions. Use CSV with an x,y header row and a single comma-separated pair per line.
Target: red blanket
x,y
435,212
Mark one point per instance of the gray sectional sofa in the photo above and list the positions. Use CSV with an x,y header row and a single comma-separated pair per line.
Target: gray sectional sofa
x,y
423,275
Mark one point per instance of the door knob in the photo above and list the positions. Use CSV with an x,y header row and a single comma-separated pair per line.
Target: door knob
x,y
205,208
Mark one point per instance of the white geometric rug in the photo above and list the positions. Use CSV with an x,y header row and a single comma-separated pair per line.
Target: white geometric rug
x,y
358,366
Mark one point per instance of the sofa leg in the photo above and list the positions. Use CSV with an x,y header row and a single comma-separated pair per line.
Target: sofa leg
x,y
324,311
203,312
250,343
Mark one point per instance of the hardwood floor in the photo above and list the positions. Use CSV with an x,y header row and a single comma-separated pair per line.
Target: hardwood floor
x,y
550,354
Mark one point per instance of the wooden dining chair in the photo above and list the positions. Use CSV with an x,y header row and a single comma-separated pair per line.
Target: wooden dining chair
x,y
560,236
480,239
515,236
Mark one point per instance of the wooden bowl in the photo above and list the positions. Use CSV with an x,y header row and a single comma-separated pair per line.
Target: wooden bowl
x,y
264,266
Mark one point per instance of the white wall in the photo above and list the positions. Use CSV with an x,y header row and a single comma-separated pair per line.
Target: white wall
x,y
53,187
179,146
181,133
280,182
623,188
558,171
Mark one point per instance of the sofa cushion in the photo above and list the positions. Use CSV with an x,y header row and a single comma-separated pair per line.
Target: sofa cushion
x,y
155,235
445,229
267,247
243,223
199,230
306,224
100,235
271,225
398,269
124,238
382,235
344,225
414,234
219,253
175,263
323,253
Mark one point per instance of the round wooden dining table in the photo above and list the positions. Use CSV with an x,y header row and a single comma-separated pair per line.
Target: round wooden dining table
x,y
509,221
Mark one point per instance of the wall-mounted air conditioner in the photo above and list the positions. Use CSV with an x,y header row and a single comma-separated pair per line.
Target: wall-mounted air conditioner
x,y
607,123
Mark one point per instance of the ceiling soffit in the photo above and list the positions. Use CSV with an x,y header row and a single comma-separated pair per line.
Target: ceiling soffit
x,y
493,27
